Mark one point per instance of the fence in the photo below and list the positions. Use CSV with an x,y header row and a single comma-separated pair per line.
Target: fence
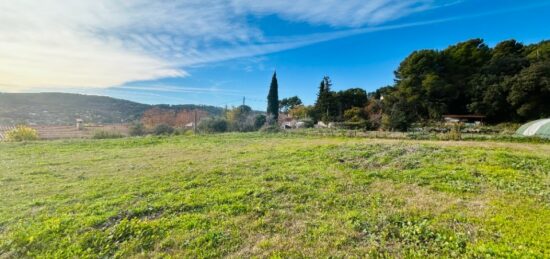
x,y
3,130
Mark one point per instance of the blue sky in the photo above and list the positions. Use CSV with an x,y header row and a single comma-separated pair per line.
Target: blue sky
x,y
215,53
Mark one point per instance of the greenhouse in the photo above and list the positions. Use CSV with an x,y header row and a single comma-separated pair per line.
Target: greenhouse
x,y
538,128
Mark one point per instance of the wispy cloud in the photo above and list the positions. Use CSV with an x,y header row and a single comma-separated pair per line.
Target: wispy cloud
x,y
104,43
182,89
349,13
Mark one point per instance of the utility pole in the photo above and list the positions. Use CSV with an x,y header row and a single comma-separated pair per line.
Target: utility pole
x,y
195,122
244,99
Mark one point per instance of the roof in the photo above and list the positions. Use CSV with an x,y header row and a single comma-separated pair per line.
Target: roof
x,y
539,128
464,116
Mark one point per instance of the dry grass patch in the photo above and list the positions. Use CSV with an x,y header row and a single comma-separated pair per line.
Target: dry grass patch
x,y
416,199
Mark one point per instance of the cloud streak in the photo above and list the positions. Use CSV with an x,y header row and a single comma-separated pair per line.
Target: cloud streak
x,y
180,89
350,13
59,44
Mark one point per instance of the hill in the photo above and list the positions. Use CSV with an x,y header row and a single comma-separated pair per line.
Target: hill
x,y
274,195
63,108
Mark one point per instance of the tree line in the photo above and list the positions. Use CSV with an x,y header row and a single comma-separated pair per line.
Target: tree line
x,y
507,83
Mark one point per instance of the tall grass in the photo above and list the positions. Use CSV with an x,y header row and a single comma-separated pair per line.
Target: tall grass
x,y
22,133
107,135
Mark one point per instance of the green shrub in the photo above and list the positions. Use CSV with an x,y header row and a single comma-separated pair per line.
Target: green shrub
x,y
355,114
213,125
356,125
137,129
309,122
272,128
456,132
259,121
396,120
183,132
187,132
241,119
163,129
508,128
22,133
107,135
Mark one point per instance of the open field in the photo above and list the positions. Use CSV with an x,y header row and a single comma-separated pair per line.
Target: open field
x,y
242,195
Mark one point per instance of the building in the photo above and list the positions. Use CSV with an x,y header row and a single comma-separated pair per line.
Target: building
x,y
472,120
79,124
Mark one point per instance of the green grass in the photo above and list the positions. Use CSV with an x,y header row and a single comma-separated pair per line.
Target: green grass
x,y
243,195
505,136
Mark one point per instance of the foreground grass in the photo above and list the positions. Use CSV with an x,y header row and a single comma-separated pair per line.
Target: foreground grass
x,y
242,195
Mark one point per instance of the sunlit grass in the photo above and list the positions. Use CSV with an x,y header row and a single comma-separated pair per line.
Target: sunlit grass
x,y
244,195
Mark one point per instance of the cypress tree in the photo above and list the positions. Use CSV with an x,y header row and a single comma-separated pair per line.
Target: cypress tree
x,y
273,99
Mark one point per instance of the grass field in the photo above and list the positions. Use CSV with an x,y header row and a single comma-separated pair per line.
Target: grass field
x,y
242,195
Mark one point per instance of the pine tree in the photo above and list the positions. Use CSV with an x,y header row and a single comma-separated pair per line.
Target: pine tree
x,y
328,83
273,99
320,93
324,99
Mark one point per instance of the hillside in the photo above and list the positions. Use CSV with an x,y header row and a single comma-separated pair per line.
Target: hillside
x,y
63,108
274,196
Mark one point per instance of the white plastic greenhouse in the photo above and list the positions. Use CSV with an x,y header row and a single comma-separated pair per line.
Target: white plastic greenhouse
x,y
538,128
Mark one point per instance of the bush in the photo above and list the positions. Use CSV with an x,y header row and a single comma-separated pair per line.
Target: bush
x,y
507,128
301,111
396,119
271,128
355,114
259,121
241,119
455,133
137,129
163,129
356,125
213,125
183,132
107,135
22,133
308,122
395,122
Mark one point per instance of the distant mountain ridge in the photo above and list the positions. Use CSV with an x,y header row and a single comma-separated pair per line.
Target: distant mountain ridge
x,y
64,108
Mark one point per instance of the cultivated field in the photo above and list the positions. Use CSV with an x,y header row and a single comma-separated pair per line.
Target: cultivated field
x,y
242,195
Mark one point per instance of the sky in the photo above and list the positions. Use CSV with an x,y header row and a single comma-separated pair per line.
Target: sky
x,y
216,52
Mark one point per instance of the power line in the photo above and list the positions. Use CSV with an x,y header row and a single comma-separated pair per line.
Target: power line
x,y
257,100
241,101
230,102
